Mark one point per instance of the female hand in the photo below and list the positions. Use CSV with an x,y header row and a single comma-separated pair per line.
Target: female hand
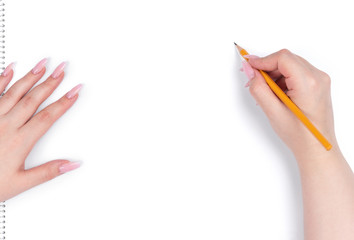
x,y
307,87
326,178
20,130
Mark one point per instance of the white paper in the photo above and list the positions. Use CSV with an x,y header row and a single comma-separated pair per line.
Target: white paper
x,y
173,146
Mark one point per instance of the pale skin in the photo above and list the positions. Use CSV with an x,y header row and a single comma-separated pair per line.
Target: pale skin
x,y
327,179
20,130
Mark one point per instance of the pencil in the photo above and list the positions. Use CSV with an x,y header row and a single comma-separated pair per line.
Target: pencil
x,y
290,104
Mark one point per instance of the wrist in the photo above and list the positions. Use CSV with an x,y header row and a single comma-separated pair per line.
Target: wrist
x,y
306,146
313,155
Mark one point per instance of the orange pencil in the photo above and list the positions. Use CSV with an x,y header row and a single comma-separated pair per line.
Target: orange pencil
x,y
290,104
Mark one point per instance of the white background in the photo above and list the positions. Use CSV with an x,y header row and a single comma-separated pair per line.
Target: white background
x,y
173,145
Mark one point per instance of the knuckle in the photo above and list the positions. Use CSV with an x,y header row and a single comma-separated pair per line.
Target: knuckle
x,y
49,174
28,101
312,83
325,78
9,94
44,115
50,84
62,105
62,102
285,52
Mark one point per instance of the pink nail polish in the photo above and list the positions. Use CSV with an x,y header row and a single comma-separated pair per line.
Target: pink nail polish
x,y
59,70
38,68
250,56
67,167
74,91
8,69
247,68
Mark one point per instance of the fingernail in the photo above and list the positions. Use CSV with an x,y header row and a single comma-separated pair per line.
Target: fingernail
x,y
73,91
241,69
38,68
8,69
247,84
59,70
250,56
67,167
247,68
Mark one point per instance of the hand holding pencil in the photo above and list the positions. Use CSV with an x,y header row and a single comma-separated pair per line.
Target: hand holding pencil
x,y
309,90
327,181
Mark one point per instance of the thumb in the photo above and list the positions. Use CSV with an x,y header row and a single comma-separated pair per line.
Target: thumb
x,y
46,172
284,61
264,96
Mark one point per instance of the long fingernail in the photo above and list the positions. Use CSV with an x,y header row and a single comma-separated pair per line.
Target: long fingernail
x,y
8,69
59,70
74,91
250,56
38,68
247,68
67,167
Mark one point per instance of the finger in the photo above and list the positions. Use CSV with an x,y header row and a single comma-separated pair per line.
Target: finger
x,y
39,124
29,104
286,62
282,84
6,77
45,172
20,88
275,75
265,97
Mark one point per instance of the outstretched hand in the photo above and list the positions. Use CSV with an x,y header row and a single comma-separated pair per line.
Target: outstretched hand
x,y
20,130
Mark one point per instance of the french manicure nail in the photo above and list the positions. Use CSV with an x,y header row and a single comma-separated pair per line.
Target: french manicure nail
x,y
73,91
247,68
38,68
8,69
59,70
250,56
67,167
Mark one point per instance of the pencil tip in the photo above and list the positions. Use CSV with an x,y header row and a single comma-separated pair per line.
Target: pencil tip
x,y
235,43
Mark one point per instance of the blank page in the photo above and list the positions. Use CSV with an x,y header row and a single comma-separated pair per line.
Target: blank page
x,y
173,146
